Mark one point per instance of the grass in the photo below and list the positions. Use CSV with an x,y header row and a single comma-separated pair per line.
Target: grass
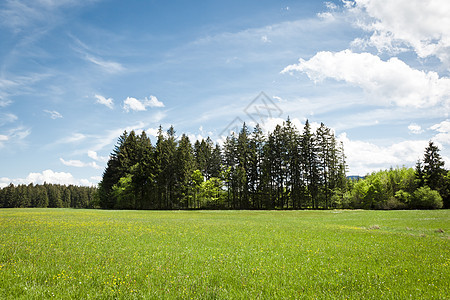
x,y
94,254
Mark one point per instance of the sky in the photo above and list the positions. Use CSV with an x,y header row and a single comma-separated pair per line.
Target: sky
x,y
74,74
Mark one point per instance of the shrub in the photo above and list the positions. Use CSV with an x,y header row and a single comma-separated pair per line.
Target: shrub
x,y
426,198
394,203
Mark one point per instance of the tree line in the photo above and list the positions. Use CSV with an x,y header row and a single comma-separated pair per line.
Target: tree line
x,y
284,169
48,195
425,187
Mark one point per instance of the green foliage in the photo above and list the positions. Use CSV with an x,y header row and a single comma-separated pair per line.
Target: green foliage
x,y
284,170
124,193
426,198
388,189
48,195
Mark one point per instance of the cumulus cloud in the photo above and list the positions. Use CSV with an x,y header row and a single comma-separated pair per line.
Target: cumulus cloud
x,y
53,114
79,164
364,157
107,102
152,131
95,156
141,105
443,132
399,25
388,82
48,176
414,128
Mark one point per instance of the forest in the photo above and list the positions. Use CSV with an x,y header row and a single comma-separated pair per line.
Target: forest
x,y
48,195
285,169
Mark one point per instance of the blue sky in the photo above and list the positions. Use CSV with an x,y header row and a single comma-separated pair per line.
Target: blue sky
x,y
75,74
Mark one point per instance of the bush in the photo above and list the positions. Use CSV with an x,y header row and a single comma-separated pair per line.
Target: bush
x,y
393,203
426,198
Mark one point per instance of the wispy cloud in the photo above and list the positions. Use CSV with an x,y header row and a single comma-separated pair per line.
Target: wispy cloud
x,y
107,102
20,14
108,66
7,118
15,135
75,137
53,114
79,164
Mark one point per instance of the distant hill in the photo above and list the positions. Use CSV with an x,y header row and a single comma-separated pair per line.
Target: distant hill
x,y
355,177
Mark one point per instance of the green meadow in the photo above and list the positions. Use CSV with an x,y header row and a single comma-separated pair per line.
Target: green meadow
x,y
101,254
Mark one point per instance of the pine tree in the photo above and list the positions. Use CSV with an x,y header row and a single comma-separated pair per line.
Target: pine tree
x,y
230,162
243,157
112,174
433,167
310,165
255,183
185,166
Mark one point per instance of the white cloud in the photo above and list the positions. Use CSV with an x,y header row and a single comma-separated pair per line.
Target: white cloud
x,y
107,102
79,164
14,135
265,39
365,157
4,181
108,66
75,137
7,118
153,102
414,128
270,124
326,16
279,99
95,156
418,24
112,135
442,127
133,104
141,105
4,102
443,135
388,82
53,114
19,15
48,176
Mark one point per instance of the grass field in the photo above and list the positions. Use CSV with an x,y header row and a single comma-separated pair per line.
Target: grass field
x,y
90,254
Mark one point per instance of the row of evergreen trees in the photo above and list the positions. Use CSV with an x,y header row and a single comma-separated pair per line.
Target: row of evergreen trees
x,y
282,170
48,195
252,171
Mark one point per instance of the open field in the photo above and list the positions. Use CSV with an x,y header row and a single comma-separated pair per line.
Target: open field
x,y
82,254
